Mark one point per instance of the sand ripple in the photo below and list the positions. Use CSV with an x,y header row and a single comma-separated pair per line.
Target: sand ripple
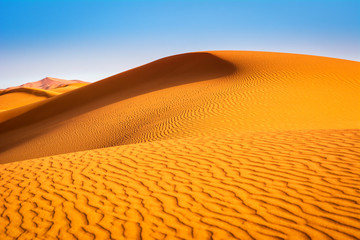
x,y
287,185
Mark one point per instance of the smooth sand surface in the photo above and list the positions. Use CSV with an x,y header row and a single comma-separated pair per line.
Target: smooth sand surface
x,y
209,145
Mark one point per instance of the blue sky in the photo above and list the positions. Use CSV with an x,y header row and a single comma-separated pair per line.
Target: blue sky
x,y
91,40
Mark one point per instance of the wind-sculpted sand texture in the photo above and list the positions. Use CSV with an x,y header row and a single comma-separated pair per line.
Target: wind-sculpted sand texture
x,y
279,185
189,95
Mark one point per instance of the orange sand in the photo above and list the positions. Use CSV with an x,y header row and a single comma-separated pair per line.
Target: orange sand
x,y
32,92
48,83
222,145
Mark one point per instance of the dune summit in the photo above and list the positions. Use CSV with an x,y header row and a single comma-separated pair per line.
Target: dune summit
x,y
206,145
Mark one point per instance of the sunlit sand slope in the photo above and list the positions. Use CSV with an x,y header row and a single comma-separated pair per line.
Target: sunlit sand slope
x,y
288,185
190,95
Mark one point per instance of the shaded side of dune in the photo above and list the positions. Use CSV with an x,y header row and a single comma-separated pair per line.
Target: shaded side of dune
x,y
163,73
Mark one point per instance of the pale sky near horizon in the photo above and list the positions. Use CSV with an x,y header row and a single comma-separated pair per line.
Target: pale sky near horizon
x,y
91,40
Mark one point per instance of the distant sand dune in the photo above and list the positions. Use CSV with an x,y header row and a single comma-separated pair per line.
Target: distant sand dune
x,y
32,91
48,83
190,95
288,185
15,97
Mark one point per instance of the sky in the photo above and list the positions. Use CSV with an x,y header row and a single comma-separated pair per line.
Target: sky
x,y
94,39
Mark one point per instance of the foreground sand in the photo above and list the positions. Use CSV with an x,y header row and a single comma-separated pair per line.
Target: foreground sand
x,y
219,145
293,185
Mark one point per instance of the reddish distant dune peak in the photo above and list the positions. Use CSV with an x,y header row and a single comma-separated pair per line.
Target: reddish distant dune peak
x,y
48,83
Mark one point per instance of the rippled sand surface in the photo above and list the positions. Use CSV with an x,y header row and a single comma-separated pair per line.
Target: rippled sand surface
x,y
209,145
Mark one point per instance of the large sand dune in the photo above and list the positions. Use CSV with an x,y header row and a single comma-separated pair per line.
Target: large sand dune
x,y
209,145
190,95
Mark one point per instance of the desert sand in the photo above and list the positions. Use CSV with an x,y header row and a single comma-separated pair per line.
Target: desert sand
x,y
48,83
206,145
28,93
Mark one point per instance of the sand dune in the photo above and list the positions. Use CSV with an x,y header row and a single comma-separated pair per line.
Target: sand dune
x,y
32,92
48,83
208,145
281,185
190,95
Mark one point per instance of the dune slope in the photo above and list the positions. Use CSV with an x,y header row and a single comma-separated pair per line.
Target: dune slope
x,y
190,95
281,185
